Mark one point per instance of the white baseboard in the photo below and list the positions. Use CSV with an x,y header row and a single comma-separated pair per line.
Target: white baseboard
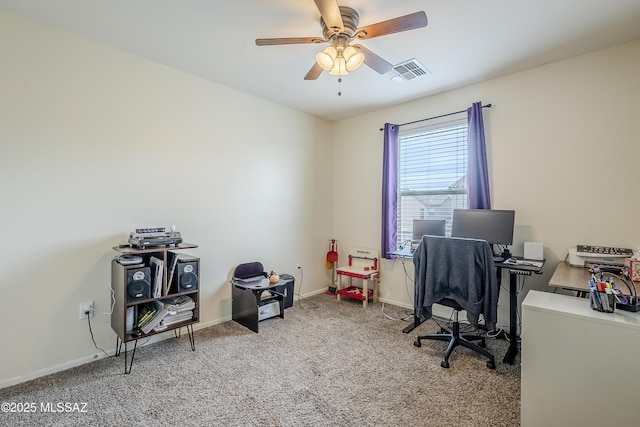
x,y
438,310
50,370
99,355
96,356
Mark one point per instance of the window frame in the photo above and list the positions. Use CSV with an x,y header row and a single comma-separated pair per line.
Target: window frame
x,y
438,134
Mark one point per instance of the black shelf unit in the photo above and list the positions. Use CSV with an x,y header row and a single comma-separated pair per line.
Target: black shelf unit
x,y
122,281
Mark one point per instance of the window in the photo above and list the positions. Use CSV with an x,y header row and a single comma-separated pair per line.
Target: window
x,y
431,174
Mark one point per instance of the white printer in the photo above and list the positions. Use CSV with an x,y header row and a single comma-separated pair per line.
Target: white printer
x,y
584,255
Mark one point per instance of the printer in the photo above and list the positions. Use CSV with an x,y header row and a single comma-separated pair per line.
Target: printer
x,y
585,255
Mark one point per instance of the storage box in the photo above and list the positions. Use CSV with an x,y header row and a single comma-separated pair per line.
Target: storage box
x,y
268,310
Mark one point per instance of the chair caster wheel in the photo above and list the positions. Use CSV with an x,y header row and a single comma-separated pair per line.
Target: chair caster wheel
x,y
491,364
444,364
417,343
482,344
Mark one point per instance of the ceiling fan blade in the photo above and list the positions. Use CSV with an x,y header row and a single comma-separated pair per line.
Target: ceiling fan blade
x,y
331,14
289,40
396,25
373,61
314,72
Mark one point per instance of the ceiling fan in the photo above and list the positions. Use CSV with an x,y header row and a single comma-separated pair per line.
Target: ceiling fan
x,y
339,28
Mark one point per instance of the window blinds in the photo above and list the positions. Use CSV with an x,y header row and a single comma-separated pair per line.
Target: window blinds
x,y
431,174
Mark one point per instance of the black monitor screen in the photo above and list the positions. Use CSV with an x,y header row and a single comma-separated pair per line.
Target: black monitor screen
x,y
432,227
494,226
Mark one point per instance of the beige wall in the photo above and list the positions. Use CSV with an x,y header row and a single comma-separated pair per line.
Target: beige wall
x,y
95,143
563,148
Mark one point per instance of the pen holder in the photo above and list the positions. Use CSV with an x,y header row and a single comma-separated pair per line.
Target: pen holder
x,y
602,301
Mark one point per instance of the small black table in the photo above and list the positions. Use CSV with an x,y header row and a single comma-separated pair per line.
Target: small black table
x,y
250,303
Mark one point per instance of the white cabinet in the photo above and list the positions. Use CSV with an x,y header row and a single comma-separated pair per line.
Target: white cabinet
x,y
580,367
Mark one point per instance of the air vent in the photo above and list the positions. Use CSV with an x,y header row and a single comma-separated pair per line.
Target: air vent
x,y
407,70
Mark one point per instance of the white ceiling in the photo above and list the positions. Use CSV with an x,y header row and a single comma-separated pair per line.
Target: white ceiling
x,y
464,41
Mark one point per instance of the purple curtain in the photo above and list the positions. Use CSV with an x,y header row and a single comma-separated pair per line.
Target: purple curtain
x,y
477,171
389,189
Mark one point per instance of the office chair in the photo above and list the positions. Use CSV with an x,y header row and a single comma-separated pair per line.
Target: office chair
x,y
458,273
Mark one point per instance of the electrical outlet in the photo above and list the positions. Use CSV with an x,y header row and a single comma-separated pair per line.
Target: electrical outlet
x,y
84,307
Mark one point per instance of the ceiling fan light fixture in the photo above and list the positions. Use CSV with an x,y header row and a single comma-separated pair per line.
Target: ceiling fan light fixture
x,y
339,26
353,58
339,67
327,58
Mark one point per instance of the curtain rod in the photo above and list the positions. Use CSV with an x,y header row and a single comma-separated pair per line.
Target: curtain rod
x,y
437,117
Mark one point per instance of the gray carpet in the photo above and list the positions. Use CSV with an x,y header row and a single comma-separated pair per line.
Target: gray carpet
x,y
327,363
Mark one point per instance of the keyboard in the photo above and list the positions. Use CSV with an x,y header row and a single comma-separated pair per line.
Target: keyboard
x,y
586,250
497,258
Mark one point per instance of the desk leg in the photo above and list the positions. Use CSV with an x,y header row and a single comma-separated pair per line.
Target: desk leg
x,y
513,320
417,321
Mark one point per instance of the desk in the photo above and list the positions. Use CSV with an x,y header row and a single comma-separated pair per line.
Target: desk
x,y
579,366
572,278
514,270
248,306
403,253
576,279
566,276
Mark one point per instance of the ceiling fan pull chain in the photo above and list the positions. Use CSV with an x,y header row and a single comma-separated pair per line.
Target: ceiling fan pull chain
x,y
339,81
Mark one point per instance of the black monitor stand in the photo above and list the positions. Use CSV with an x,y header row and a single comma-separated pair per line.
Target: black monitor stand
x,y
505,252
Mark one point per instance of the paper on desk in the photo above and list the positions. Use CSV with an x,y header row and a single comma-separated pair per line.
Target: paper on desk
x,y
530,262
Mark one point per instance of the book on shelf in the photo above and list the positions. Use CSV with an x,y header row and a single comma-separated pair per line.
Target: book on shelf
x,y
177,310
157,269
172,259
177,304
131,314
156,318
158,315
145,313
171,319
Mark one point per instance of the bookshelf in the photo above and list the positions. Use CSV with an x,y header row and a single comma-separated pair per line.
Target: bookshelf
x,y
159,294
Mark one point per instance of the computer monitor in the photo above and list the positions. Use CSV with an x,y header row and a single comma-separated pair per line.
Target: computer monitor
x,y
432,227
494,226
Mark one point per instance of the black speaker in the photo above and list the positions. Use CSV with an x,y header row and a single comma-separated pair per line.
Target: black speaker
x,y
138,283
187,275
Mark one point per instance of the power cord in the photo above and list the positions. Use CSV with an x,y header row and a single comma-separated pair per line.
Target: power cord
x,y
388,292
407,280
113,293
496,333
113,303
300,297
520,286
88,314
410,314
